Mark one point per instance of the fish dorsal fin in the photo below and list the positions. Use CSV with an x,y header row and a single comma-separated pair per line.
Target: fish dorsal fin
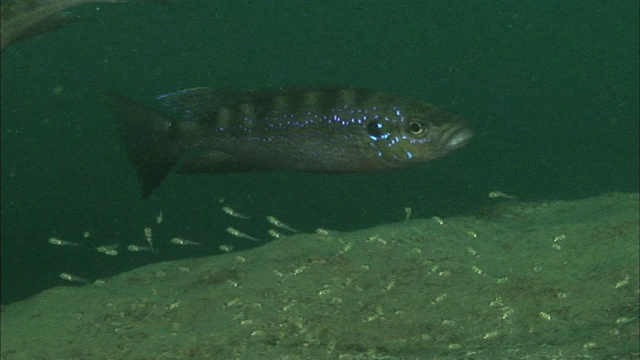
x,y
202,102
198,103
190,104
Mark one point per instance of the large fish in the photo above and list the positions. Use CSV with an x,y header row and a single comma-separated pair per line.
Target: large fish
x,y
328,129
22,19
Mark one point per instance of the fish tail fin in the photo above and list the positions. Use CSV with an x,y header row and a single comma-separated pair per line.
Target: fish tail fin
x,y
153,142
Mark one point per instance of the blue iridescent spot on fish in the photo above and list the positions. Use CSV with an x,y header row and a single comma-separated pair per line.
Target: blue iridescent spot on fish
x,y
325,129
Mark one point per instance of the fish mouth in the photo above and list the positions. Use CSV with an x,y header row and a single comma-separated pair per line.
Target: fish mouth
x,y
455,137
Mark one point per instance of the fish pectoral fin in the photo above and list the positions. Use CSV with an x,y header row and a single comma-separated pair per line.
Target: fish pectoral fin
x,y
216,162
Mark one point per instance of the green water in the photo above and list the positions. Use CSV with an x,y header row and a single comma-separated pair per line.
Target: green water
x,y
550,88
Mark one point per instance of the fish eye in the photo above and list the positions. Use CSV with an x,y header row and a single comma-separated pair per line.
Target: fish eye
x,y
416,128
374,129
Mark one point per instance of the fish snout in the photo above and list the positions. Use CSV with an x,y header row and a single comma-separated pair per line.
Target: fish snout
x,y
455,137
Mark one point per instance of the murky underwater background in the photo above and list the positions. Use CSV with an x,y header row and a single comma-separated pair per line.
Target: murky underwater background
x,y
550,88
